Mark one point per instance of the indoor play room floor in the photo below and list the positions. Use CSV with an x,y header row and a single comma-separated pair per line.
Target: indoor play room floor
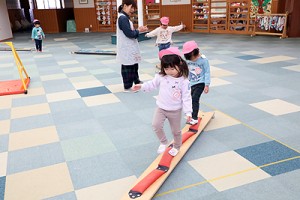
x,y
76,135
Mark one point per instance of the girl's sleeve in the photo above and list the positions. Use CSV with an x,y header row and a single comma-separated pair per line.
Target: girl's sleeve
x,y
152,33
207,73
186,98
176,28
151,85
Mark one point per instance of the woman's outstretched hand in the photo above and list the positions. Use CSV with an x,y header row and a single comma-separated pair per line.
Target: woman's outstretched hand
x,y
188,119
137,87
142,29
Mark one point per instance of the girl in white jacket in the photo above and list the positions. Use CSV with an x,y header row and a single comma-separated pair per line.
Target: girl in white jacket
x,y
173,97
164,33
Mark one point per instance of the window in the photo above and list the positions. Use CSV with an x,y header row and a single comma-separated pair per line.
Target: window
x,y
50,4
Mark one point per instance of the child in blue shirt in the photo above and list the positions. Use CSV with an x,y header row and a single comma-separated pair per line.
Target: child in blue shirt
x,y
37,35
199,75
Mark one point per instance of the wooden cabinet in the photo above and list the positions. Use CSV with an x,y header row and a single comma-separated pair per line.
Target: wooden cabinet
x,y
106,13
151,15
218,16
222,16
201,20
239,17
114,13
134,19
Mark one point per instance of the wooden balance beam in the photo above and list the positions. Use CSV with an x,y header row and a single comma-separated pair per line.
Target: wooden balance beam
x,y
152,189
96,52
17,49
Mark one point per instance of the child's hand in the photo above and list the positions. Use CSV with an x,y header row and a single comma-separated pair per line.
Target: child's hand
x,y
32,39
137,87
183,25
206,89
142,28
188,119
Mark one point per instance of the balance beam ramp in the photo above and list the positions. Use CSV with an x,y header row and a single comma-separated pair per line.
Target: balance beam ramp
x,y
154,176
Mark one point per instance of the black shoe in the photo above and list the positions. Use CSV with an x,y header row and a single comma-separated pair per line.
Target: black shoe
x,y
140,82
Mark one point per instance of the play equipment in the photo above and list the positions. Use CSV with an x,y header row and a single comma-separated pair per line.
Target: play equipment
x,y
15,86
94,52
151,180
17,49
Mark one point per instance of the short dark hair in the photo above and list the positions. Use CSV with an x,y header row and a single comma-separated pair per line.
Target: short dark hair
x,y
188,56
36,22
172,61
127,2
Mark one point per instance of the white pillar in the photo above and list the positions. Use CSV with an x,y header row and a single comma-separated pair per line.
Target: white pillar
x,y
119,2
140,12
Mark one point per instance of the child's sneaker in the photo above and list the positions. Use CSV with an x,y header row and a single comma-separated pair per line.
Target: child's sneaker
x,y
193,121
161,148
173,152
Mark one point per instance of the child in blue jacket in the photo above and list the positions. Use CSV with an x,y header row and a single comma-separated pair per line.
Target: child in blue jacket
x,y
199,75
37,35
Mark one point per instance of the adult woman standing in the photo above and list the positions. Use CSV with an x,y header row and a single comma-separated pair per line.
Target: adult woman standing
x,y
128,52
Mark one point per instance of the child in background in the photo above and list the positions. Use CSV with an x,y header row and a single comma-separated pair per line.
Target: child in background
x,y
173,97
199,75
164,33
37,35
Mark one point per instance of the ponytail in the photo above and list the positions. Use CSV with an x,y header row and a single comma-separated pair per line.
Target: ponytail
x,y
120,8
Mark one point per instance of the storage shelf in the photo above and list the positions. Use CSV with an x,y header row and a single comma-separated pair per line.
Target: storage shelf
x,y
152,9
109,8
203,10
239,16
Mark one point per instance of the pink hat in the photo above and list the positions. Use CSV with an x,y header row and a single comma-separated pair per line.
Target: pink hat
x,y
169,51
35,20
164,20
189,46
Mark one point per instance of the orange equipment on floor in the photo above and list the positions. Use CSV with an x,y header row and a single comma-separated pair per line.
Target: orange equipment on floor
x,y
162,168
15,86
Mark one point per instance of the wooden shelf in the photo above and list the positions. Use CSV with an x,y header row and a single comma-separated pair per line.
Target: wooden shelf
x,y
218,16
276,29
154,19
134,19
106,12
239,17
152,9
200,9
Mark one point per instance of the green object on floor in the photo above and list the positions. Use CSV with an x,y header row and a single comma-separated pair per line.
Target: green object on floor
x,y
71,26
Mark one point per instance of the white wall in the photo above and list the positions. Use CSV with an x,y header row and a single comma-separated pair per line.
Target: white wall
x,y
90,4
5,29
